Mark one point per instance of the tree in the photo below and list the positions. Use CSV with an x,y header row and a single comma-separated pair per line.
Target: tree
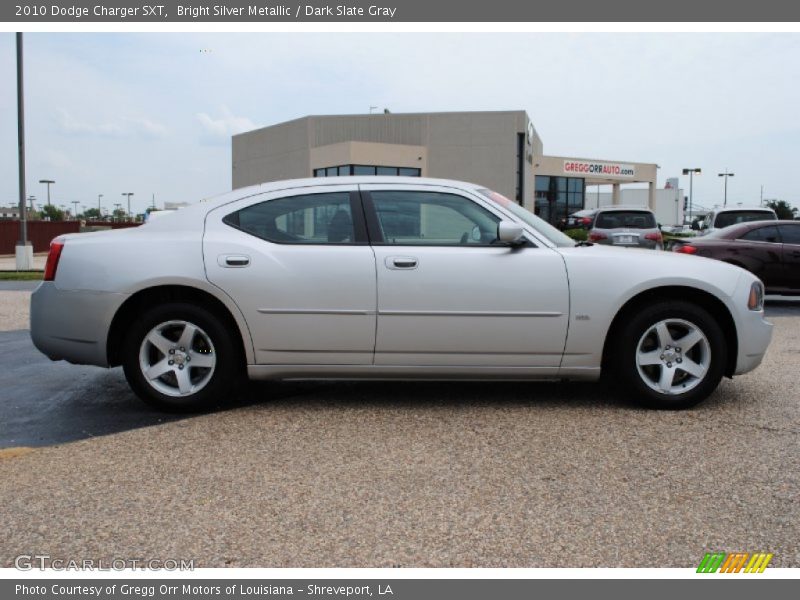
x,y
53,213
782,208
119,213
91,213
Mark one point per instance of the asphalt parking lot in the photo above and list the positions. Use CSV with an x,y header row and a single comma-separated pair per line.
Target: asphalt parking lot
x,y
411,474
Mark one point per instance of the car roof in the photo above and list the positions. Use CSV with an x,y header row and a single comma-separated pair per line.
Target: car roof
x,y
622,207
190,215
723,209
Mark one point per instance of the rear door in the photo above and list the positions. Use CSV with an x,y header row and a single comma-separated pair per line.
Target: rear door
x,y
448,296
300,268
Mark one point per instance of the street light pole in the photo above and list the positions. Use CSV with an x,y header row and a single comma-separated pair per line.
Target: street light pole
x,y
690,173
22,260
48,182
99,210
75,204
726,174
128,194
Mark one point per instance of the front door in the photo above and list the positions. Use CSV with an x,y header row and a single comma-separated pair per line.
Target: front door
x,y
449,296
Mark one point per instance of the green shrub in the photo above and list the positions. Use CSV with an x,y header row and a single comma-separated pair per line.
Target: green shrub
x,y
579,235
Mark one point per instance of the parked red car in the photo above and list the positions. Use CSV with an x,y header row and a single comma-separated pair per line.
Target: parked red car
x,y
768,249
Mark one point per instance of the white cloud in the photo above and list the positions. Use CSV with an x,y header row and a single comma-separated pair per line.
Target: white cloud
x,y
147,128
220,130
119,128
72,126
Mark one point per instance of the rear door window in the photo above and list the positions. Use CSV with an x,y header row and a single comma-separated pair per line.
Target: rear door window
x,y
762,234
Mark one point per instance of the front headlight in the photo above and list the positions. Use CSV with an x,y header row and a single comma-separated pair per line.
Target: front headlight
x,y
755,301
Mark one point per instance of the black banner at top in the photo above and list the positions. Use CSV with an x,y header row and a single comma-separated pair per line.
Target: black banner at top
x,y
400,11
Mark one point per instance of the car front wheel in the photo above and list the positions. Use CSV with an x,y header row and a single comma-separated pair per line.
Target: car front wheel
x,y
671,355
178,357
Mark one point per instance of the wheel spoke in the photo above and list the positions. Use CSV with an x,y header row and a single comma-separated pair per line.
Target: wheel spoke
x,y
664,337
688,341
160,342
649,358
184,382
667,375
202,360
692,368
158,369
187,337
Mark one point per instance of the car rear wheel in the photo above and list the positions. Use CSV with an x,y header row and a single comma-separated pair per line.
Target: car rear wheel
x,y
178,357
671,355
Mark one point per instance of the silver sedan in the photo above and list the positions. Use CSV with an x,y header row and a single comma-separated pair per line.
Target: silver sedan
x,y
390,278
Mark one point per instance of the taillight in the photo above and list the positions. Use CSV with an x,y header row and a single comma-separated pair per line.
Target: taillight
x,y
51,265
686,249
594,236
656,237
585,220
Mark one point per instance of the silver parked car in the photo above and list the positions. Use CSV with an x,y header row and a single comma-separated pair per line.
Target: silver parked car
x,y
390,278
632,227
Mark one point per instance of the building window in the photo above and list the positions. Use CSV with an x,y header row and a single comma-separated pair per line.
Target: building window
x,y
367,170
557,197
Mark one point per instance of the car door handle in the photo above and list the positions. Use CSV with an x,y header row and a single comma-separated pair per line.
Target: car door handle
x,y
233,260
401,262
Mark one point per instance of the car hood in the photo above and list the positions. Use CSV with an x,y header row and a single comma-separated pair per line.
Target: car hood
x,y
601,265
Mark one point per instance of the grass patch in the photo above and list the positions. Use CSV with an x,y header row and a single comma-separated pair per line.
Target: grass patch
x,y
21,275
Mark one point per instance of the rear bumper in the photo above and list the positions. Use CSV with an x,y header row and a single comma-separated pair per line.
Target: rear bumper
x,y
73,325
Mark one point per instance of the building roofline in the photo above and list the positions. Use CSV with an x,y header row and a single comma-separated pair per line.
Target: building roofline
x,y
389,115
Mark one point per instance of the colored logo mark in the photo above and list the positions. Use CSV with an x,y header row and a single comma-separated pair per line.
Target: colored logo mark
x,y
734,562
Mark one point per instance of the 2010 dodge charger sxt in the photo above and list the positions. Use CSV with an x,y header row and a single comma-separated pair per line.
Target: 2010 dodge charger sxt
x,y
392,278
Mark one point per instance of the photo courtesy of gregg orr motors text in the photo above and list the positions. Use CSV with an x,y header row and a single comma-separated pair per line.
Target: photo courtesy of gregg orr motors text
x,y
186,589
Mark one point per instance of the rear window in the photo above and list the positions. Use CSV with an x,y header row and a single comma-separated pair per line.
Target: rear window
x,y
733,217
629,219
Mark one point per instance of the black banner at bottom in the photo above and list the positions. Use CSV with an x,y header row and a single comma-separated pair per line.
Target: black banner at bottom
x,y
394,589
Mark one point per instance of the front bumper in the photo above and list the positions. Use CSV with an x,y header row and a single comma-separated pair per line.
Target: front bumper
x,y
73,325
754,332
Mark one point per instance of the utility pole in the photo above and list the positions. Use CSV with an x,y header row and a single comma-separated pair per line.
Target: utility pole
x,y
24,252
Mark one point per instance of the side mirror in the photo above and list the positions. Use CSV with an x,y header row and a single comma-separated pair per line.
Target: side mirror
x,y
510,233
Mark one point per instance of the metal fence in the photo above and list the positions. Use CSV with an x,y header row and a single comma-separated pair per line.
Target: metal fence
x,y
40,233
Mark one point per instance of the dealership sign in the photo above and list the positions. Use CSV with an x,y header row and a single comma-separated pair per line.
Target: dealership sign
x,y
598,169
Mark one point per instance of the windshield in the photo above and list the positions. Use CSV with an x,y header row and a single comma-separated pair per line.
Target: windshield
x,y
540,225
733,217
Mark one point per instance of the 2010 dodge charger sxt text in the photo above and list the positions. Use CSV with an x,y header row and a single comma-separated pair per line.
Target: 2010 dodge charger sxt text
x,y
392,278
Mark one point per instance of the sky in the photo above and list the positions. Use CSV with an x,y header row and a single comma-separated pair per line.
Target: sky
x,y
153,113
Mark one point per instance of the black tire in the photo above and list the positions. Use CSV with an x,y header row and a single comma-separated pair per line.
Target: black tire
x,y
639,337
214,384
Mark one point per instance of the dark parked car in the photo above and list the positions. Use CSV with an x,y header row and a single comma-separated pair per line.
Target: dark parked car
x,y
768,249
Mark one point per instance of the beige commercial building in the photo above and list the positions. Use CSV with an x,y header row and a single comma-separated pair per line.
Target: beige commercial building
x,y
498,149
